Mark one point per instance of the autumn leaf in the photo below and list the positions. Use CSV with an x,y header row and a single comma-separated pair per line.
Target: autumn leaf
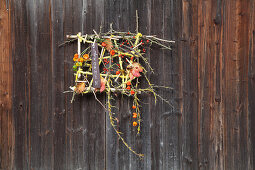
x,y
103,82
135,70
109,45
80,87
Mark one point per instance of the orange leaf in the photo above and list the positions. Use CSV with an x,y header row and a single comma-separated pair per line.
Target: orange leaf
x,y
109,45
80,87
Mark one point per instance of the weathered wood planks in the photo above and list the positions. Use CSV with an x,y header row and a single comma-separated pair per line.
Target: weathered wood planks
x,y
211,69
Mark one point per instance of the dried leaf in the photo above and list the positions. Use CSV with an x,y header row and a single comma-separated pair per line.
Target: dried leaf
x,y
135,70
103,82
80,87
109,45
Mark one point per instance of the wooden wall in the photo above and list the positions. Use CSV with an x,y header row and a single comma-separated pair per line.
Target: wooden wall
x,y
211,68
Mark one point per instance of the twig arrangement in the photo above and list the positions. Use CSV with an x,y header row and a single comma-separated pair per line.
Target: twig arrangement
x,y
120,57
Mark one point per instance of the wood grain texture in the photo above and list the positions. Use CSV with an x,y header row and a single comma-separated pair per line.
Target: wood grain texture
x,y
251,82
6,116
211,68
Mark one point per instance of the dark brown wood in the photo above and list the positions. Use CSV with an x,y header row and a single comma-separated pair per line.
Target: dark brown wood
x,y
211,69
251,81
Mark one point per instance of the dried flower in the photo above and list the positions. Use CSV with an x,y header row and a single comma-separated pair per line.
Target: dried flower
x,y
80,87
134,123
80,60
108,45
85,56
103,82
135,70
76,56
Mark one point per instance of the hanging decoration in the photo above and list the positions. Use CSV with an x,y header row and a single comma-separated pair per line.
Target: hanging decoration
x,y
114,62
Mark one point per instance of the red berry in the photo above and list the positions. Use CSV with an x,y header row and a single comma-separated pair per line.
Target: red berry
x,y
132,92
104,44
112,52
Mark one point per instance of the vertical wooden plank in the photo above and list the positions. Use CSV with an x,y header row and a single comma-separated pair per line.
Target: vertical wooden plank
x,y
174,31
189,86
133,139
241,109
205,83
115,151
43,56
169,119
251,81
236,141
94,113
145,141
20,83
216,135
6,116
58,84
112,144
80,160
34,115
242,79
156,110
231,131
39,118
69,51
